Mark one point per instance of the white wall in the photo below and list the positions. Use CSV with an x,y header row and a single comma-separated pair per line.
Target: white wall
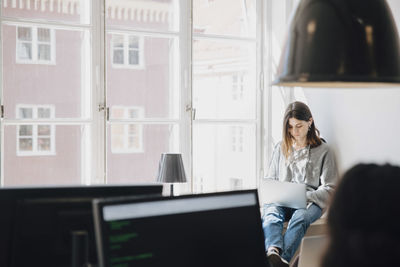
x,y
362,125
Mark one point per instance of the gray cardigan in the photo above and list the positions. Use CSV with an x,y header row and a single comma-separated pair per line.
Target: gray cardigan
x,y
315,167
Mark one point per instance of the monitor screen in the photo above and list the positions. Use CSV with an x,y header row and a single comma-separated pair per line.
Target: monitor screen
x,y
215,229
37,224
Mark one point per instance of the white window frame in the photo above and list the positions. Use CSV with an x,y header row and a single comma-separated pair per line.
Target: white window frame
x,y
125,135
99,57
35,44
126,50
34,122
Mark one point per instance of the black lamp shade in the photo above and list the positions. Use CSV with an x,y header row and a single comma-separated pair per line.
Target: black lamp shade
x,y
171,169
341,43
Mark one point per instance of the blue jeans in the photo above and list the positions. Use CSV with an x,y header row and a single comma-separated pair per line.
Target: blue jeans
x,y
299,220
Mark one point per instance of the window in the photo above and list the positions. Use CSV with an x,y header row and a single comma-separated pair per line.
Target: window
x,y
35,45
126,137
225,102
172,82
35,139
237,86
127,51
237,138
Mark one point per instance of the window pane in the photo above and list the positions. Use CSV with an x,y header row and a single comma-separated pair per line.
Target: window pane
x,y
117,113
25,51
117,129
118,41
159,97
118,57
43,129
44,52
44,113
61,161
77,11
25,113
126,138
133,42
134,142
133,113
215,64
24,34
146,15
25,144
44,144
117,140
43,35
133,57
37,84
216,166
213,17
25,130
133,129
126,167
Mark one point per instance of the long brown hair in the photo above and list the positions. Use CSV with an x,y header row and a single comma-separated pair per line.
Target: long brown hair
x,y
299,111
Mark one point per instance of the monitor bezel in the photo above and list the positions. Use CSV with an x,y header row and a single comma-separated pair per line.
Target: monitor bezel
x,y
99,204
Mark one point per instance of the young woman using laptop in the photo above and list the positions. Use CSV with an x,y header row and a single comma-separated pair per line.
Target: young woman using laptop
x,y
301,157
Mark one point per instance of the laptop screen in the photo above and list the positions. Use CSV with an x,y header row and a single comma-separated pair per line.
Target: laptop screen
x,y
216,229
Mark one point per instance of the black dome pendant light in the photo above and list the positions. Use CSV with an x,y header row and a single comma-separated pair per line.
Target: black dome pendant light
x,y
341,43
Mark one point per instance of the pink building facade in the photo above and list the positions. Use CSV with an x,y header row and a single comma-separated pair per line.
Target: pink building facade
x,y
46,81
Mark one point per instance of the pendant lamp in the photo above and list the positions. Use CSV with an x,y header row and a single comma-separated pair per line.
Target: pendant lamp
x,y
341,43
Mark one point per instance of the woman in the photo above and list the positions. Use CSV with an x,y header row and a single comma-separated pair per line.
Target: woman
x,y
301,157
362,219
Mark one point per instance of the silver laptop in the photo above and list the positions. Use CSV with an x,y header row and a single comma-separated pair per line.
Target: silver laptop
x,y
311,250
291,195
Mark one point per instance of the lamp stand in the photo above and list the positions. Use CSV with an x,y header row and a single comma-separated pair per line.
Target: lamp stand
x,y
172,189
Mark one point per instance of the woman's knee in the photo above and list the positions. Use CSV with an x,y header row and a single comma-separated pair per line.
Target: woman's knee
x,y
272,218
273,214
300,217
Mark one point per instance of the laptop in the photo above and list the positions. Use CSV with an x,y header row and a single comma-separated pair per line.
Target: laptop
x,y
213,229
311,250
286,194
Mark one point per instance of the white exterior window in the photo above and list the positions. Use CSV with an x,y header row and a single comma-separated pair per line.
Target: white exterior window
x,y
35,45
127,51
35,139
237,86
126,137
237,138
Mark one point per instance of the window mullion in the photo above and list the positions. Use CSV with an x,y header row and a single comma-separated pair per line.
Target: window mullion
x,y
34,45
97,159
126,50
185,82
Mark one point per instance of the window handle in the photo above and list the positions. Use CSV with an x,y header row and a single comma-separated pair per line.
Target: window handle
x,y
102,107
189,108
193,113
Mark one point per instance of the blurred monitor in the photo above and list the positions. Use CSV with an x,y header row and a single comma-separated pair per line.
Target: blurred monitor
x,y
214,229
37,223
312,249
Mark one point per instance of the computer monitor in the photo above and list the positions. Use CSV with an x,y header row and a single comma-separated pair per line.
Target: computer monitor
x,y
36,223
214,229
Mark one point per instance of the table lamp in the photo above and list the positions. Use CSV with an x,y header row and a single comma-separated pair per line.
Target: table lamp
x,y
170,170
